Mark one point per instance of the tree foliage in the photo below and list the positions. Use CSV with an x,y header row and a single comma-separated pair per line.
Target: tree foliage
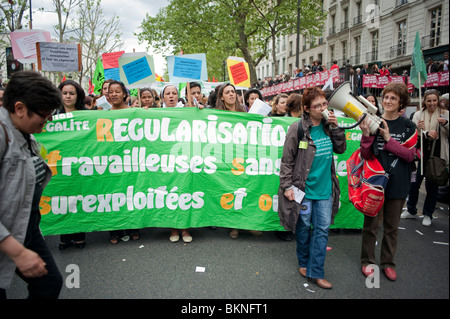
x,y
223,28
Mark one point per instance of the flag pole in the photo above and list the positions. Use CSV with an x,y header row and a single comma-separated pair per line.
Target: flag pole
x,y
421,130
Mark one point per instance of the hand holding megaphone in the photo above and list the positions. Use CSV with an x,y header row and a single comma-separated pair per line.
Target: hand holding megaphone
x,y
357,108
330,117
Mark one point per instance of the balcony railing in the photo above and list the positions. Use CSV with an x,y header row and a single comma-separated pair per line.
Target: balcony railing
x,y
332,30
397,50
399,3
372,55
356,59
430,41
357,20
344,25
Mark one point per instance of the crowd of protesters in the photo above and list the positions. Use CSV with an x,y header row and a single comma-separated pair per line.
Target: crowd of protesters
x,y
30,101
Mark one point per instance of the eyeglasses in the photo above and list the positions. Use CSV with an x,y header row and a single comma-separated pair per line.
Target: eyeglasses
x,y
320,105
45,116
392,98
432,91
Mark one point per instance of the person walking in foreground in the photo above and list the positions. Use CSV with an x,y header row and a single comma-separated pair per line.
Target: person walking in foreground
x,y
307,164
29,102
394,143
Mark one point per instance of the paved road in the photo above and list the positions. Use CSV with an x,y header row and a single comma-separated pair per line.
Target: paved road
x,y
249,267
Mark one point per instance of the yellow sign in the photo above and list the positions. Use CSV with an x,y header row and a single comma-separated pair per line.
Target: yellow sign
x,y
238,72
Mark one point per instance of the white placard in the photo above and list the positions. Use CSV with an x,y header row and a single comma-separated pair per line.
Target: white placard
x,y
259,107
58,57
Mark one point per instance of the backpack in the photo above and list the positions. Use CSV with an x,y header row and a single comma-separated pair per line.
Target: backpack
x,y
367,181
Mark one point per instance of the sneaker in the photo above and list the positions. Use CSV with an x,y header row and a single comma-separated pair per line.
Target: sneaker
x,y
407,214
426,221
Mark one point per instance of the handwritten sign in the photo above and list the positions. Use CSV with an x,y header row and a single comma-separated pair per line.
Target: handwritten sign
x,y
23,43
112,74
187,68
58,57
111,60
238,71
136,70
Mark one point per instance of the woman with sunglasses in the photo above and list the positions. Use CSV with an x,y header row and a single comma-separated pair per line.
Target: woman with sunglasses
x,y
394,147
29,102
308,165
433,122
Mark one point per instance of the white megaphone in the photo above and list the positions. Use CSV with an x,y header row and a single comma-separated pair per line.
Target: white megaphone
x,y
343,99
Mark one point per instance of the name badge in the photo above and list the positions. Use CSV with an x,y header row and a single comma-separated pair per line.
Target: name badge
x,y
303,145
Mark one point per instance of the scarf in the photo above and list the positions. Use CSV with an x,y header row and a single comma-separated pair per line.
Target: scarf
x,y
431,120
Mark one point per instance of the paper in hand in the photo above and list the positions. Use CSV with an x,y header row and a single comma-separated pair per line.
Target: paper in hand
x,y
259,107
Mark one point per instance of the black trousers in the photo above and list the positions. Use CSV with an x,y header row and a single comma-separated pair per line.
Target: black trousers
x,y
48,286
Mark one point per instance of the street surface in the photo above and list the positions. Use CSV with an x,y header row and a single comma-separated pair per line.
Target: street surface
x,y
247,269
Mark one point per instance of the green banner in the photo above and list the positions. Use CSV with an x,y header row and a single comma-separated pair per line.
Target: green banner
x,y
173,168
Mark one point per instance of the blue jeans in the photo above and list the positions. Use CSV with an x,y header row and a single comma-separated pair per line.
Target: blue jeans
x,y
312,241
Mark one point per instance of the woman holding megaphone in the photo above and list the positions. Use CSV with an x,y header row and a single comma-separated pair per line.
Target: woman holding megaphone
x,y
395,139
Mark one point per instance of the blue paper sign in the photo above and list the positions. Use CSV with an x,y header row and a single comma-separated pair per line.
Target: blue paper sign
x,y
137,70
187,68
112,74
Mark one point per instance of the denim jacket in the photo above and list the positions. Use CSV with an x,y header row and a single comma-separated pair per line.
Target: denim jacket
x,y
17,184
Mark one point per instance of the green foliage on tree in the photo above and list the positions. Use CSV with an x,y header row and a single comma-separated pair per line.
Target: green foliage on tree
x,y
222,28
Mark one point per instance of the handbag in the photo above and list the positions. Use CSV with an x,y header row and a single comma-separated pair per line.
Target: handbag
x,y
367,181
436,169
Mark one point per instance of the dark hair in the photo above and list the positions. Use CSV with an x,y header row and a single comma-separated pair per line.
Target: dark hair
x,y
252,91
377,105
401,90
124,89
193,85
309,94
79,103
32,89
220,105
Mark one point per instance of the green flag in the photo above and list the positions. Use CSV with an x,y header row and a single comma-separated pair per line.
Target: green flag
x,y
418,65
99,77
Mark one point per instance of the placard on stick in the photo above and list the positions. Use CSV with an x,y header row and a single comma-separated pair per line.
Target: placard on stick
x,y
187,68
58,57
136,70
238,72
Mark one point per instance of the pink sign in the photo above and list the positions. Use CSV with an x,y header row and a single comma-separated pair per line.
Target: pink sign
x,y
23,44
443,78
432,80
370,81
111,60
382,81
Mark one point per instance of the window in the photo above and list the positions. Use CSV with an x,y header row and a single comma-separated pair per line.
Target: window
x,y
373,55
357,49
344,50
401,38
435,26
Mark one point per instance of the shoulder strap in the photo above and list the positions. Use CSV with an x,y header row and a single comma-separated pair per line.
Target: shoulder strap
x,y
300,130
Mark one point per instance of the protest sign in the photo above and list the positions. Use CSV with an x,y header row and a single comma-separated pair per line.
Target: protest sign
x,y
187,68
58,57
238,72
111,59
23,43
172,168
136,70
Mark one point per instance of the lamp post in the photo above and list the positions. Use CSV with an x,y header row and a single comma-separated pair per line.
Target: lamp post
x,y
298,36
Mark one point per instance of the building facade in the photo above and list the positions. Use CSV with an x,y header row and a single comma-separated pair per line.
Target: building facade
x,y
368,32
